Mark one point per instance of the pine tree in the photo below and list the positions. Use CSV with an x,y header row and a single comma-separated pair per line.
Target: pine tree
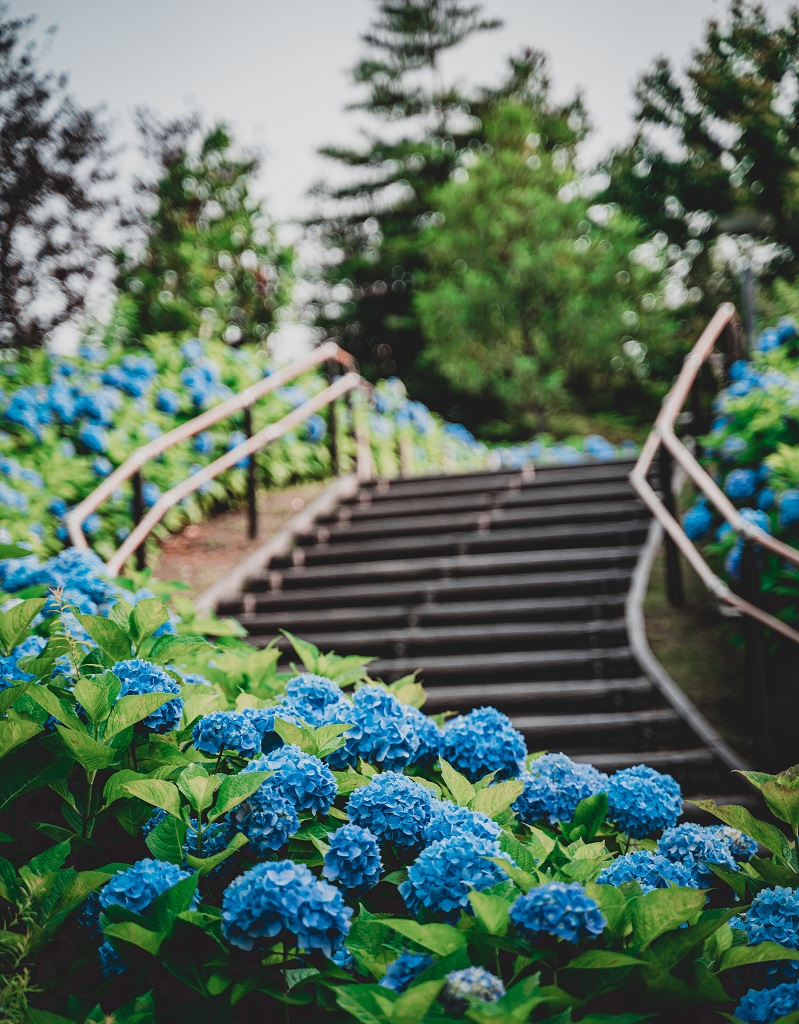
x,y
721,140
54,169
370,227
210,263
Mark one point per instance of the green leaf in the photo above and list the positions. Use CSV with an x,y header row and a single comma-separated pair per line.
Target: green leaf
x,y
96,695
15,732
491,910
496,799
440,938
615,906
15,623
165,841
86,751
290,733
762,952
661,910
672,948
167,649
348,782
60,709
368,1004
463,792
765,834
156,792
11,693
590,813
525,857
109,637
416,1001
51,860
133,708
604,959
234,790
206,864
148,616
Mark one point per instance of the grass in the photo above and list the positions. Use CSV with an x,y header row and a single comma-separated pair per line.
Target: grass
x,y
697,647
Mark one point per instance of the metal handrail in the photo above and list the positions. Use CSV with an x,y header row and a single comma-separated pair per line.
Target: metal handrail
x,y
663,437
130,469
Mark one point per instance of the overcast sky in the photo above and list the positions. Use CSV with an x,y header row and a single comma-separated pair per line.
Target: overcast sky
x,y
278,71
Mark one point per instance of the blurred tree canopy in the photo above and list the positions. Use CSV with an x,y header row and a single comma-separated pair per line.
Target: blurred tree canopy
x,y
210,262
53,197
723,139
537,299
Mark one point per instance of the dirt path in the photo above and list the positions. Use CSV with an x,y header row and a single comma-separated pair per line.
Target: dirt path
x,y
204,552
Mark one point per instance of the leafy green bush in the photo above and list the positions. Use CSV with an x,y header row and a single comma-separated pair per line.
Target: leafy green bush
x,y
187,828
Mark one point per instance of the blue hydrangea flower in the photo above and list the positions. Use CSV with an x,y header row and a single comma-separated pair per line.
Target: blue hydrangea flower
x,y
563,911
428,733
268,819
444,874
642,801
316,700
111,963
342,958
757,518
10,672
554,786
305,779
283,901
58,507
139,676
314,429
102,466
93,438
392,806
484,741
353,860
167,401
763,1006
216,838
226,730
450,820
788,508
381,732
150,493
742,846
733,448
765,499
204,443
695,844
650,870
740,484
697,521
405,969
472,984
774,916
136,887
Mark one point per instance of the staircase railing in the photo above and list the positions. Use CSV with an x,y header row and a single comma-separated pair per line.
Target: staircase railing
x,y
664,445
350,383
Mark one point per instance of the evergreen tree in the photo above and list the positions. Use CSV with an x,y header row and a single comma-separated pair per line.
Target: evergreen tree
x,y
721,140
370,226
54,164
210,263
538,301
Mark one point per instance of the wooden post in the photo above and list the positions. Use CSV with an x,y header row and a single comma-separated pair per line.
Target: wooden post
x,y
674,586
252,498
137,511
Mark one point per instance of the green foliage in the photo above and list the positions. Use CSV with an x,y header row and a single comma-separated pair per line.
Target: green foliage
x,y
536,295
211,264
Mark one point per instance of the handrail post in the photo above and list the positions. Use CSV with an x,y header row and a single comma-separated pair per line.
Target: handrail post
x,y
137,512
758,699
363,446
674,585
335,455
252,501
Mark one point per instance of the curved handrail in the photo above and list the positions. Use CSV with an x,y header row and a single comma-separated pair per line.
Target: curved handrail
x,y
329,352
663,434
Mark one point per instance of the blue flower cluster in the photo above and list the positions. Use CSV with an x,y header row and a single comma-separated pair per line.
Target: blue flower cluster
x,y
10,672
774,917
481,742
226,730
382,733
81,575
268,819
472,984
283,900
650,870
445,872
136,887
554,786
699,846
138,676
315,700
449,820
554,908
394,808
642,801
698,520
405,969
764,1006
353,860
303,778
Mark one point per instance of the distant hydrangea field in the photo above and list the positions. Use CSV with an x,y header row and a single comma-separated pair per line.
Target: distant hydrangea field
x,y
189,827
66,422
752,452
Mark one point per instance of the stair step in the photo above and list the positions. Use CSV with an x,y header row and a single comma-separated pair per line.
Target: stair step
x,y
506,696
580,581
455,566
663,760
497,519
502,636
625,532
625,729
577,608
612,662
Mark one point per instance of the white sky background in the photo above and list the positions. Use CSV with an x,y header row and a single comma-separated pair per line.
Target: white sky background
x,y
278,70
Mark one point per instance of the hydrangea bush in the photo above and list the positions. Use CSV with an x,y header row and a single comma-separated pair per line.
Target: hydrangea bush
x,y
74,419
189,829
